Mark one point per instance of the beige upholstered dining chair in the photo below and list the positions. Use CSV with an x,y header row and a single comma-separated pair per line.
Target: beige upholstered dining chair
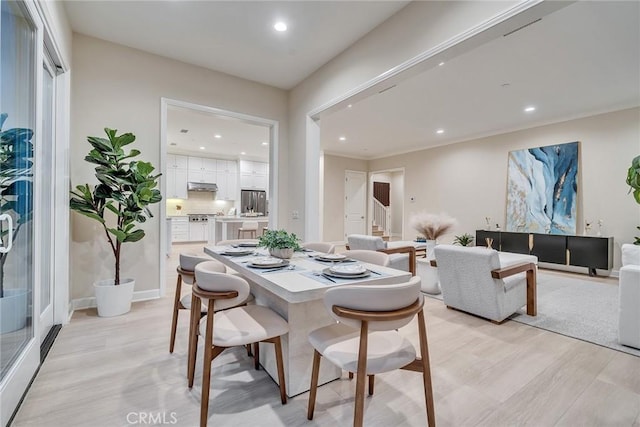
x,y
229,327
366,341
250,227
372,257
400,258
325,248
186,275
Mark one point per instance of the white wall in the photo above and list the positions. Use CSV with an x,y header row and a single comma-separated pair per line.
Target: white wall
x,y
413,30
468,180
397,203
119,87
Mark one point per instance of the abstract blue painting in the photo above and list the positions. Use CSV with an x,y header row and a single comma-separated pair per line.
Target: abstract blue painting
x,y
542,189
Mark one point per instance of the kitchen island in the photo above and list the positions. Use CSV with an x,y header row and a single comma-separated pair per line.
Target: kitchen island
x,y
226,227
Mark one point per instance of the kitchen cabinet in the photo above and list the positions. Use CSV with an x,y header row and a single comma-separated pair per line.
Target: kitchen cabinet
x,y
202,169
176,177
198,231
254,175
179,229
227,179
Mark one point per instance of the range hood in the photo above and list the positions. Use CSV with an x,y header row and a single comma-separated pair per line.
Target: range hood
x,y
202,186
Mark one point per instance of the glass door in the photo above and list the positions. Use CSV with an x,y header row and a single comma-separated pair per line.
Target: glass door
x,y
19,74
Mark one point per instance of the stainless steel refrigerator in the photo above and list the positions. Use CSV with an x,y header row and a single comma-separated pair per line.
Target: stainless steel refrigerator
x,y
253,201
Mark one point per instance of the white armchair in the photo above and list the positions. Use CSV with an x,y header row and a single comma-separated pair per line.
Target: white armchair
x,y
474,281
400,258
629,292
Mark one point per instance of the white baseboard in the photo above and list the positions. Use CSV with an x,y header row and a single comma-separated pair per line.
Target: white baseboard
x,y
90,302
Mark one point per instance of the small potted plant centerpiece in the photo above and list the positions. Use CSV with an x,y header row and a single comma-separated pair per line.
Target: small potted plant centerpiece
x,y
465,239
280,243
119,202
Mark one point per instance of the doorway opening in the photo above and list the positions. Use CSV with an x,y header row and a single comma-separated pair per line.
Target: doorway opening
x,y
386,204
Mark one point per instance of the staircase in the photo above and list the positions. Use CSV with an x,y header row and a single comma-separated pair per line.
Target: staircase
x,y
377,231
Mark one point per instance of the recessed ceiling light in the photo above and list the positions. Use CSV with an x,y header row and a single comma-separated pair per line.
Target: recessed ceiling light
x,y
280,26
242,153
441,64
343,138
217,136
349,106
439,131
202,148
530,109
265,143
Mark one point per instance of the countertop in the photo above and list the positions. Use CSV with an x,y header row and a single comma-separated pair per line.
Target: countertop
x,y
239,218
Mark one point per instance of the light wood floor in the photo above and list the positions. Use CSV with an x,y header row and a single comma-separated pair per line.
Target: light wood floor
x,y
112,372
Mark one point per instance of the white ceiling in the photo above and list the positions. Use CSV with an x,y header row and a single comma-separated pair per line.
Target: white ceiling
x,y
235,37
236,136
581,60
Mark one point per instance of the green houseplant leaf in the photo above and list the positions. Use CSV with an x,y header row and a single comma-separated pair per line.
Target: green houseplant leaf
x,y
126,189
633,181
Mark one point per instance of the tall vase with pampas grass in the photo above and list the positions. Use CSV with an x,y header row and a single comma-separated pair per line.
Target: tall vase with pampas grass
x,y
432,226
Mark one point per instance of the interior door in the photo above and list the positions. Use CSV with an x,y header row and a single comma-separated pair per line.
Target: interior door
x,y
45,198
355,196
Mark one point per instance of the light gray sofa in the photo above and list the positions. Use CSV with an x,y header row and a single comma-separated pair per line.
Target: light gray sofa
x,y
400,258
474,281
629,293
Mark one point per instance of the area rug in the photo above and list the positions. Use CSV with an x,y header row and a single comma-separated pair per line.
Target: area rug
x,y
576,308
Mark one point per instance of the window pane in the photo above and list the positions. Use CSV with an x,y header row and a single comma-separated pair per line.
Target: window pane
x,y
17,122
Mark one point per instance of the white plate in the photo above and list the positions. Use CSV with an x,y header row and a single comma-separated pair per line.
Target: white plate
x,y
328,272
266,262
348,269
248,245
237,251
331,257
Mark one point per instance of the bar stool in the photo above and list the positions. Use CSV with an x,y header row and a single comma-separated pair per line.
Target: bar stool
x,y
250,227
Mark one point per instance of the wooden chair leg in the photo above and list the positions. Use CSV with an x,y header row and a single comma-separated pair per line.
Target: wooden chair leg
x,y
206,369
426,370
193,338
256,356
371,382
358,419
314,384
176,309
283,386
249,354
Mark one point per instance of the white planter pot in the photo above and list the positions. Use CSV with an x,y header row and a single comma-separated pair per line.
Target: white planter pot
x,y
113,300
13,310
285,253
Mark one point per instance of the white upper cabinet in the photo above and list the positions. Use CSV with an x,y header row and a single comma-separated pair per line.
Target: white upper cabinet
x,y
202,169
175,161
254,175
176,176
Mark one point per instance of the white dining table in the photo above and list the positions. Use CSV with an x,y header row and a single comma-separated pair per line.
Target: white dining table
x,y
296,293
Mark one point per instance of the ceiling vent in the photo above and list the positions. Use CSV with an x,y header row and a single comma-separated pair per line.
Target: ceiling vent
x,y
184,130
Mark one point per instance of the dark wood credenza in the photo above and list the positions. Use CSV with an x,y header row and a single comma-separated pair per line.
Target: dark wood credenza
x,y
581,251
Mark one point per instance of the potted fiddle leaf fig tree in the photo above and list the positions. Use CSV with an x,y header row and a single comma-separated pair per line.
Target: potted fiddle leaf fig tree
x,y
119,202
16,211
